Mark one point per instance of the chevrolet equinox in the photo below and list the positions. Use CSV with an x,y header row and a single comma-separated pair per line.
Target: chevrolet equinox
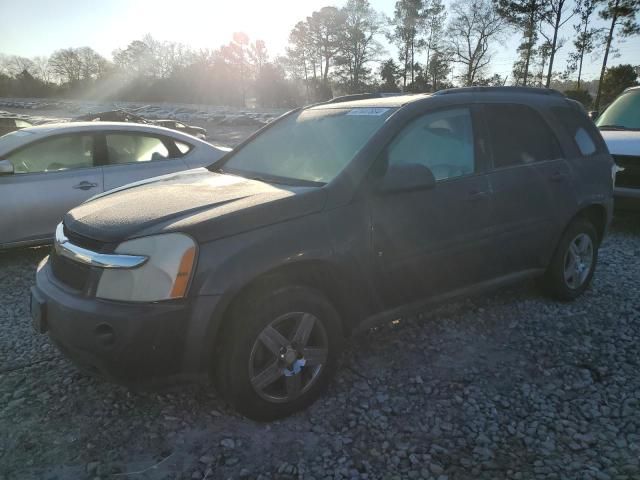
x,y
252,271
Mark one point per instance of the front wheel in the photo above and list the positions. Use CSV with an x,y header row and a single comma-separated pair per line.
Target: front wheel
x,y
281,352
574,262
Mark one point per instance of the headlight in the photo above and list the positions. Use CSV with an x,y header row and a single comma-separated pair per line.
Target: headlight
x,y
164,276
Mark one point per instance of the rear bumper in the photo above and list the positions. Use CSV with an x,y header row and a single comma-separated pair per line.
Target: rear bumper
x,y
130,343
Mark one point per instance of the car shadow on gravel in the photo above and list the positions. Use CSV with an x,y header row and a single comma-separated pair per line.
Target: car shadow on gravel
x,y
483,387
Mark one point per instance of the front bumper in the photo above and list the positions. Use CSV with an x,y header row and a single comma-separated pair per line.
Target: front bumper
x,y
130,343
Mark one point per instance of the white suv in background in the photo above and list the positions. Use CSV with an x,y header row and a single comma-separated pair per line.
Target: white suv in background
x,y
620,127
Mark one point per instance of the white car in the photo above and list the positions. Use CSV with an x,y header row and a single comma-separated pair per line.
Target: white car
x,y
47,170
620,128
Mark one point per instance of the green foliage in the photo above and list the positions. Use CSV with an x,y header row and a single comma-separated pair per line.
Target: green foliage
x,y
616,80
581,96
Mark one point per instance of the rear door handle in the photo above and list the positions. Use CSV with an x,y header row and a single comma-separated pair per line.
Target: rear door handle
x,y
85,185
558,177
476,195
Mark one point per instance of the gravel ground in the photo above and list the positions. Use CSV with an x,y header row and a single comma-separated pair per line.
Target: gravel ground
x,y
509,385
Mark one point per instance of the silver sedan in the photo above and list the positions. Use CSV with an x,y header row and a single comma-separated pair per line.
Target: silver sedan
x,y
47,170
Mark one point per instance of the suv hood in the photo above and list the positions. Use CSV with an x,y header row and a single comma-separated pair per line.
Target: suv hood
x,y
201,203
622,142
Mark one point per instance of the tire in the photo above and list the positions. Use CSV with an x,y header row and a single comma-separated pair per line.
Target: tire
x,y
563,282
282,350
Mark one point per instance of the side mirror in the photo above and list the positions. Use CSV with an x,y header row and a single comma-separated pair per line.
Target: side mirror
x,y
6,167
593,114
406,178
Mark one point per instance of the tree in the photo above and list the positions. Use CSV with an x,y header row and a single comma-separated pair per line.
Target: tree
x,y
622,16
433,21
438,71
475,24
358,44
325,31
616,79
389,73
136,60
525,15
258,56
586,38
581,96
407,18
556,19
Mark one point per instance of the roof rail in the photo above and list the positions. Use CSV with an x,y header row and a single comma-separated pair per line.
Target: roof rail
x,y
536,90
359,96
355,96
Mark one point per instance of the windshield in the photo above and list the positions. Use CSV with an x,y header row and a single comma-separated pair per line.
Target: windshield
x,y
624,112
311,146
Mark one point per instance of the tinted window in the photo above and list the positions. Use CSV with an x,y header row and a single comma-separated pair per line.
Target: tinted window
x,y
579,128
623,112
519,135
127,148
311,145
441,141
59,153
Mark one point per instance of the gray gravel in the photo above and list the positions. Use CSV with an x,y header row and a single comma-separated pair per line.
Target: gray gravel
x,y
509,385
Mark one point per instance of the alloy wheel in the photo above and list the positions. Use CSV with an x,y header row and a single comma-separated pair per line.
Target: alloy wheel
x,y
287,357
578,261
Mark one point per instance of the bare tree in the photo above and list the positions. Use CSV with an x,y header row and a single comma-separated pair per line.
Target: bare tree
x,y
475,24
42,68
75,64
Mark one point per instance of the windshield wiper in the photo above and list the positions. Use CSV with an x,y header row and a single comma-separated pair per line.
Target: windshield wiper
x,y
612,127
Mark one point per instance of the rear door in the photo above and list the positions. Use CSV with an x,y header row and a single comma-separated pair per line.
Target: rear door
x,y
431,241
532,187
51,177
134,156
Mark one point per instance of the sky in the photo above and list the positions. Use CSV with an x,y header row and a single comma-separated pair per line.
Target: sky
x,y
39,27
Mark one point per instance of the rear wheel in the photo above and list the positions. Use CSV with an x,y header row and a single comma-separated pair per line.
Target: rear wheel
x,y
281,352
574,261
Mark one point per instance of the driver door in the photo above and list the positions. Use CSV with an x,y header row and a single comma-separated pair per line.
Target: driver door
x,y
427,242
50,178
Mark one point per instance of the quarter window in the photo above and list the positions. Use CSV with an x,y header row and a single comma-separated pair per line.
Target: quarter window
x,y
519,136
441,141
579,127
184,148
125,148
59,153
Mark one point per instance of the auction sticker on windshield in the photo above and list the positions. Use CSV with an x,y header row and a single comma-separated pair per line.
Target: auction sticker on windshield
x,y
372,111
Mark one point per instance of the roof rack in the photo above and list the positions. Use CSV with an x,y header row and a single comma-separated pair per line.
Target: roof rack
x,y
536,90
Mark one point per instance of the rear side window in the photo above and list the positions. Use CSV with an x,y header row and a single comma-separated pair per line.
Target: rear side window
x,y
133,148
519,136
579,128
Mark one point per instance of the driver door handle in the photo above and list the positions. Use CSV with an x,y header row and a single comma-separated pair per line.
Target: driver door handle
x,y
85,185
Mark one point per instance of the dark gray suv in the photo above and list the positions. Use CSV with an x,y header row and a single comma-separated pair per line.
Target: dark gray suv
x,y
334,217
